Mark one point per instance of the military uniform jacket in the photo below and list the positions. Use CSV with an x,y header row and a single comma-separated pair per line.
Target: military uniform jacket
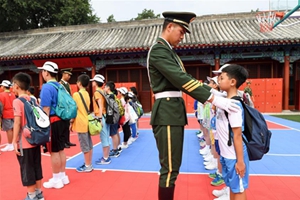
x,y
166,73
66,85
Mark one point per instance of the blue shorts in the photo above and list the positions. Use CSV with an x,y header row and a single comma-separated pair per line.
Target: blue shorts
x,y
104,134
114,128
231,178
217,146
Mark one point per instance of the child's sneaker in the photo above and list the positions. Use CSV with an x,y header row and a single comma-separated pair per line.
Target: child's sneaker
x,y
224,197
120,149
40,196
205,150
212,175
53,184
222,192
102,161
27,198
8,147
65,180
217,181
84,168
114,153
124,146
211,165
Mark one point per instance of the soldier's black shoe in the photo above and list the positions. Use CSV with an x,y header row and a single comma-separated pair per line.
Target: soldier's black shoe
x,y
71,144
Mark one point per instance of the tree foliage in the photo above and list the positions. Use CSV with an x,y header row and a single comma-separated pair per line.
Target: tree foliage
x,y
146,14
111,18
29,14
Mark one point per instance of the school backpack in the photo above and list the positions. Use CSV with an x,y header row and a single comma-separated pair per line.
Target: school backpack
x,y
121,108
66,107
37,122
140,109
256,134
112,109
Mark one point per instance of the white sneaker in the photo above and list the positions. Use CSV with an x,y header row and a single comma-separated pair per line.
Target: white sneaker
x,y
200,135
222,192
53,184
223,197
130,141
8,148
212,165
65,180
124,146
208,158
205,150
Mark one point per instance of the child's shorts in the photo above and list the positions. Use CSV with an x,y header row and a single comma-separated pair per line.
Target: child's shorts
x,y
85,142
7,124
217,146
31,167
231,178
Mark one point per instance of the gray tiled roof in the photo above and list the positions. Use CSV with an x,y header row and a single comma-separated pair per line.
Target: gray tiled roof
x,y
207,31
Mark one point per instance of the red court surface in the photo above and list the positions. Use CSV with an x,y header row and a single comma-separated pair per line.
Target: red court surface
x,y
121,185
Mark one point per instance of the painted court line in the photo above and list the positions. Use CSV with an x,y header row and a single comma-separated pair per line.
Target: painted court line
x,y
284,126
287,155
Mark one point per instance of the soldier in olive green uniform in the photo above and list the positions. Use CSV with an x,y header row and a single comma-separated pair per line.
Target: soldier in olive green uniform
x,y
168,78
66,75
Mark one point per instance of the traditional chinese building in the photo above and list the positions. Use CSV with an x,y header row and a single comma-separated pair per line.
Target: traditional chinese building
x,y
119,50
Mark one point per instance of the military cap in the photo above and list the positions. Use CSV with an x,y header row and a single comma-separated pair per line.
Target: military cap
x,y
181,18
67,71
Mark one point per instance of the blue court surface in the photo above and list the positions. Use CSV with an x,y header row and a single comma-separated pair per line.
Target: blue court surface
x,y
142,156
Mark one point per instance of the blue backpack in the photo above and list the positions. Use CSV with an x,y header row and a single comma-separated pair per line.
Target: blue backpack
x,y
66,107
256,134
38,123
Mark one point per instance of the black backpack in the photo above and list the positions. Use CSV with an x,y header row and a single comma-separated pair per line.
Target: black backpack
x,y
257,136
112,109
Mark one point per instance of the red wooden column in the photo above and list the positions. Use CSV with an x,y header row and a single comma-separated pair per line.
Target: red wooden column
x,y
217,63
93,73
41,80
286,82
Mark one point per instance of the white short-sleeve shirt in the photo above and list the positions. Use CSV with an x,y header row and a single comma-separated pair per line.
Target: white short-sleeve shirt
x,y
236,120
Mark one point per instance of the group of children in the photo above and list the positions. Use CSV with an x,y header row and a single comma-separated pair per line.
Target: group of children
x,y
30,159
230,162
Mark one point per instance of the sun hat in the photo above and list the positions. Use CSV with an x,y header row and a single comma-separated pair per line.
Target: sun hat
x,y
50,67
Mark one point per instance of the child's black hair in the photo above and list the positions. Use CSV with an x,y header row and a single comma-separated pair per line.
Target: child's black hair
x,y
99,84
84,80
23,80
111,85
134,90
237,72
31,90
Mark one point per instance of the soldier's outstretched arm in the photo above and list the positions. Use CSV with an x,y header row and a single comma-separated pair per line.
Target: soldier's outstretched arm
x,y
160,60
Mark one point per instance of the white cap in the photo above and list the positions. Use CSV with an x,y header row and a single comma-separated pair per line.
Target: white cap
x,y
220,70
6,83
98,78
130,94
123,90
214,79
50,67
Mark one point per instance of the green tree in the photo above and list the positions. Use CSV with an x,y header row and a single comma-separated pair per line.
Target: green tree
x,y
146,14
111,18
23,15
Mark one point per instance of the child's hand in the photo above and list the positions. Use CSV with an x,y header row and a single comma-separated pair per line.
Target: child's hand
x,y
26,133
16,149
240,168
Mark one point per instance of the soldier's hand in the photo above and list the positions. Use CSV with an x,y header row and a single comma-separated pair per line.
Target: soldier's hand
x,y
217,93
230,105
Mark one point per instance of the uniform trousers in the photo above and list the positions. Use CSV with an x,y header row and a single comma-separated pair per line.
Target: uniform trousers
x,y
169,141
